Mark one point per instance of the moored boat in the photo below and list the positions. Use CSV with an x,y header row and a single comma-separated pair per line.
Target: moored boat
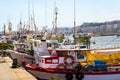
x,y
22,52
68,65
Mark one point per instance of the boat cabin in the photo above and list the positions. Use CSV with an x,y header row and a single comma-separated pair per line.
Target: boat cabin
x,y
64,57
22,47
52,44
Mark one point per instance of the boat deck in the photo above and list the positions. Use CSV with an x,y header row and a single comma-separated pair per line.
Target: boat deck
x,y
8,73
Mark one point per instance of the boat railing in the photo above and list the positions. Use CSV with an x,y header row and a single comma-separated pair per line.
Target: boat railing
x,y
107,47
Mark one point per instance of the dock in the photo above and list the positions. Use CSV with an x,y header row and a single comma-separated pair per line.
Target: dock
x,y
8,73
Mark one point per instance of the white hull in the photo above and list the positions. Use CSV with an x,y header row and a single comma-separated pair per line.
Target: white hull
x,y
47,75
22,57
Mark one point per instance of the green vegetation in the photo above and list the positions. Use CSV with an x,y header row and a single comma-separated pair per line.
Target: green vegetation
x,y
83,39
4,46
59,38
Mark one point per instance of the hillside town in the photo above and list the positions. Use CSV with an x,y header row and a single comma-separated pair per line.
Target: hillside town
x,y
103,28
110,28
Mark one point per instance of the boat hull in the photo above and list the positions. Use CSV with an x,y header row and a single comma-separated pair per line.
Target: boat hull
x,y
43,74
22,57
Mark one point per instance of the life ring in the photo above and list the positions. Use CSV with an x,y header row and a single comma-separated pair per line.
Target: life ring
x,y
61,66
69,60
69,76
79,76
22,46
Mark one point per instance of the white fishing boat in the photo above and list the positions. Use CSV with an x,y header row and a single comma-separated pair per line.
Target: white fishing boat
x,y
27,51
22,52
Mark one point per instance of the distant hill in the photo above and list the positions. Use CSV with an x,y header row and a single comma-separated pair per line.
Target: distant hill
x,y
107,27
95,27
99,24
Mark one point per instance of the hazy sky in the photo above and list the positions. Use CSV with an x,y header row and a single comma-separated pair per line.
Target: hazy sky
x,y
86,11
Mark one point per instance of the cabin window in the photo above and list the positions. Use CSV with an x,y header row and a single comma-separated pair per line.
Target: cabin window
x,y
48,45
80,55
48,61
55,45
55,61
41,60
82,46
62,53
52,61
71,52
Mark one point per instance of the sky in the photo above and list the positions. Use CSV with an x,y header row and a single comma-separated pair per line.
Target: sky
x,y
84,11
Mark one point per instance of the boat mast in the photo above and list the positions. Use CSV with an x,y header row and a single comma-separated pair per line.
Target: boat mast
x,y
46,13
4,27
10,29
55,18
74,29
74,18
34,23
28,14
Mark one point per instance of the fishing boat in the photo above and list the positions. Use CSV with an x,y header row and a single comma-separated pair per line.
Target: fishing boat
x,y
70,61
75,64
55,58
22,52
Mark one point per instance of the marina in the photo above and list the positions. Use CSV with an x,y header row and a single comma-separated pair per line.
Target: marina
x,y
55,61
61,62
48,42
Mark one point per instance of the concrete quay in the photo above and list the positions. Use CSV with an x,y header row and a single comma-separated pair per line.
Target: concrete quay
x,y
8,73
